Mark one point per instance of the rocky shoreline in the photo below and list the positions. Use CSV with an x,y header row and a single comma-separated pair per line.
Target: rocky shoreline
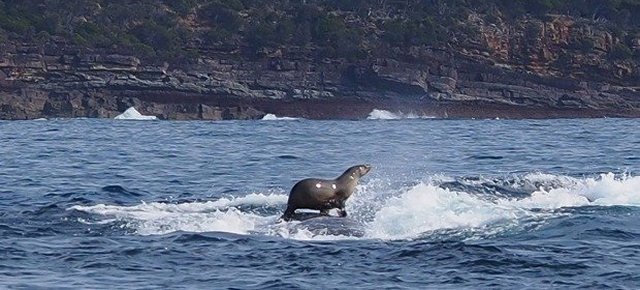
x,y
322,60
37,82
40,85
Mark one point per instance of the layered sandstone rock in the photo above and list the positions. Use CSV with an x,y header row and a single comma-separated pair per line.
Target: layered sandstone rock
x,y
508,71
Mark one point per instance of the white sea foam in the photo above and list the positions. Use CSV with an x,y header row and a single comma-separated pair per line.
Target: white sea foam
x,y
377,114
303,234
254,199
605,190
133,114
426,207
382,115
219,215
272,117
384,213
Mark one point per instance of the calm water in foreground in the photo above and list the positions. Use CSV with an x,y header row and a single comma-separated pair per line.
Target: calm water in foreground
x,y
194,205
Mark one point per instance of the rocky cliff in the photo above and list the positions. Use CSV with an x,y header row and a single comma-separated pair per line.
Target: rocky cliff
x,y
493,66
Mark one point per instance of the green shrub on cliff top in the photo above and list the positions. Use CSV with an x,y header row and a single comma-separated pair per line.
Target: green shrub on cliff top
x,y
620,51
336,28
220,16
407,33
181,7
11,20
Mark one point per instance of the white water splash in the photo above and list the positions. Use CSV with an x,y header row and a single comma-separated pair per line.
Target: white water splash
x,y
377,114
296,231
222,215
272,117
133,114
606,190
384,213
427,207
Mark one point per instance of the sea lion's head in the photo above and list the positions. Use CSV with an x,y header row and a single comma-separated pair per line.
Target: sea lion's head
x,y
355,172
363,169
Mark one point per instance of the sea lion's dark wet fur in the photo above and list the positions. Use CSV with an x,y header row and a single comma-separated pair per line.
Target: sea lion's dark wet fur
x,y
324,194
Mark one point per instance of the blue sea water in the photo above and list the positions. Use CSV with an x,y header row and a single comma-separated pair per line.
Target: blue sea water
x,y
449,204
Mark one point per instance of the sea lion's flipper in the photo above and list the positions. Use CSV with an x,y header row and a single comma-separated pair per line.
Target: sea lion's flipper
x,y
288,214
342,212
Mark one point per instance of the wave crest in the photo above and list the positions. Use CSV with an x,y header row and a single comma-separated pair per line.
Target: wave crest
x,y
273,117
377,114
383,213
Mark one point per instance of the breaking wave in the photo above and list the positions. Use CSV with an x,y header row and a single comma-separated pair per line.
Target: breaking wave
x,y
272,117
377,114
473,207
133,114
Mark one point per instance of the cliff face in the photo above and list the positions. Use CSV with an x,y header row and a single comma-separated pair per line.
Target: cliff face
x,y
554,66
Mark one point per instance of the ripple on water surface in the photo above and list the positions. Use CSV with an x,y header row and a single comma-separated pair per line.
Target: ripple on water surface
x,y
449,203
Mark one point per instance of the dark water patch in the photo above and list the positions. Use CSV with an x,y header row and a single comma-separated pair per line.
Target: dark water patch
x,y
462,187
288,157
7,231
119,189
219,173
252,161
121,195
440,251
48,210
121,176
276,283
188,238
207,238
610,234
27,180
486,157
495,265
486,189
62,195
185,195
98,265
96,244
41,139
619,275
596,210
80,201
36,286
73,198
228,191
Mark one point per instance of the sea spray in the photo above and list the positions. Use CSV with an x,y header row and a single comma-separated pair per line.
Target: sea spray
x,y
272,117
133,114
383,213
377,114
427,207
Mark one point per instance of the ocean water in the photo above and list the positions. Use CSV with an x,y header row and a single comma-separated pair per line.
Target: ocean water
x,y
449,204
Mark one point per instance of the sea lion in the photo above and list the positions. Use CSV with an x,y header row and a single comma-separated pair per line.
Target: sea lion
x,y
323,194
